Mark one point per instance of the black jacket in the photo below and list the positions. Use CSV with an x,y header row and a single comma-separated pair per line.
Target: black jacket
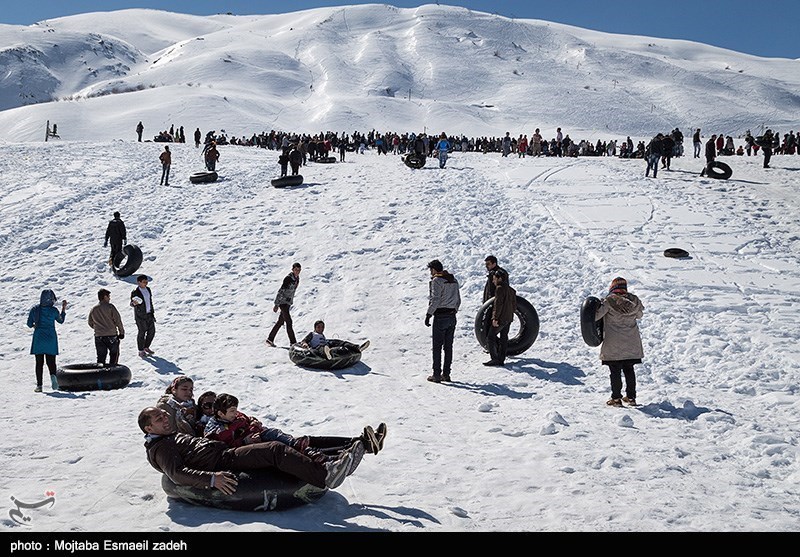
x,y
140,310
116,231
489,288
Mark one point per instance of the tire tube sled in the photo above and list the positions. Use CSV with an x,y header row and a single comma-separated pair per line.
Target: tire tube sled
x,y
128,261
326,160
591,330
92,377
343,354
528,326
286,181
415,161
258,490
676,253
203,177
718,170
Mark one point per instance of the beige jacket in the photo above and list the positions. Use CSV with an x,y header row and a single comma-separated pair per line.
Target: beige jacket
x,y
621,337
106,320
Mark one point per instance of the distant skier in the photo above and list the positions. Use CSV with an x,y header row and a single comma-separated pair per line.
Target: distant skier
x,y
139,130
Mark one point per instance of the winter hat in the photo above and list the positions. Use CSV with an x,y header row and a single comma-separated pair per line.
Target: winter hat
x,y
116,214
618,286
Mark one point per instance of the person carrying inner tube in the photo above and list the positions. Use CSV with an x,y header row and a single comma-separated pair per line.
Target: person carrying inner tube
x,y
503,309
711,153
116,233
622,342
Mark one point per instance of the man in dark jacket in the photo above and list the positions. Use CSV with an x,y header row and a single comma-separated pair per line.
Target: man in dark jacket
x,y
711,152
295,160
283,303
491,266
766,146
115,231
144,315
667,148
207,464
503,308
443,303
653,152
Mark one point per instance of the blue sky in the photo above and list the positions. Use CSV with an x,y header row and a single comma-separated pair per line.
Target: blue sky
x,y
751,26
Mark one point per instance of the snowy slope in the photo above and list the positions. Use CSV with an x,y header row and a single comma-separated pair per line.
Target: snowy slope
x,y
334,68
532,447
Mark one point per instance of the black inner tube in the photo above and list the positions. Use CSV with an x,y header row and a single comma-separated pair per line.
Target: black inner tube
x,y
676,253
525,316
591,330
92,377
718,170
257,490
128,261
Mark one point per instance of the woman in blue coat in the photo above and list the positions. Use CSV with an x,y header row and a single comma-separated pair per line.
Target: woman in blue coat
x,y
42,318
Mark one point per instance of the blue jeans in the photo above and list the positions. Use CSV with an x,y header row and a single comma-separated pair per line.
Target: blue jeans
x,y
652,162
165,173
275,434
444,329
442,159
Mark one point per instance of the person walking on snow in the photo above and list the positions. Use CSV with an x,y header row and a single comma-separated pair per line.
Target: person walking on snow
x,y
212,156
654,151
116,233
166,161
108,329
283,303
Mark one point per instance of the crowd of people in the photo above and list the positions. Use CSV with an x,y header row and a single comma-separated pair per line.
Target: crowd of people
x,y
298,149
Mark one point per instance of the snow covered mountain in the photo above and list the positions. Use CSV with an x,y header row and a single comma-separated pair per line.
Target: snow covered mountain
x,y
439,67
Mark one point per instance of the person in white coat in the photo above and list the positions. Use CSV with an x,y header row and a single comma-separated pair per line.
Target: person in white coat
x,y
622,341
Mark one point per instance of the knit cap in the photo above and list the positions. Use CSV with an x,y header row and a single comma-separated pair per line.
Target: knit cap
x,y
618,286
